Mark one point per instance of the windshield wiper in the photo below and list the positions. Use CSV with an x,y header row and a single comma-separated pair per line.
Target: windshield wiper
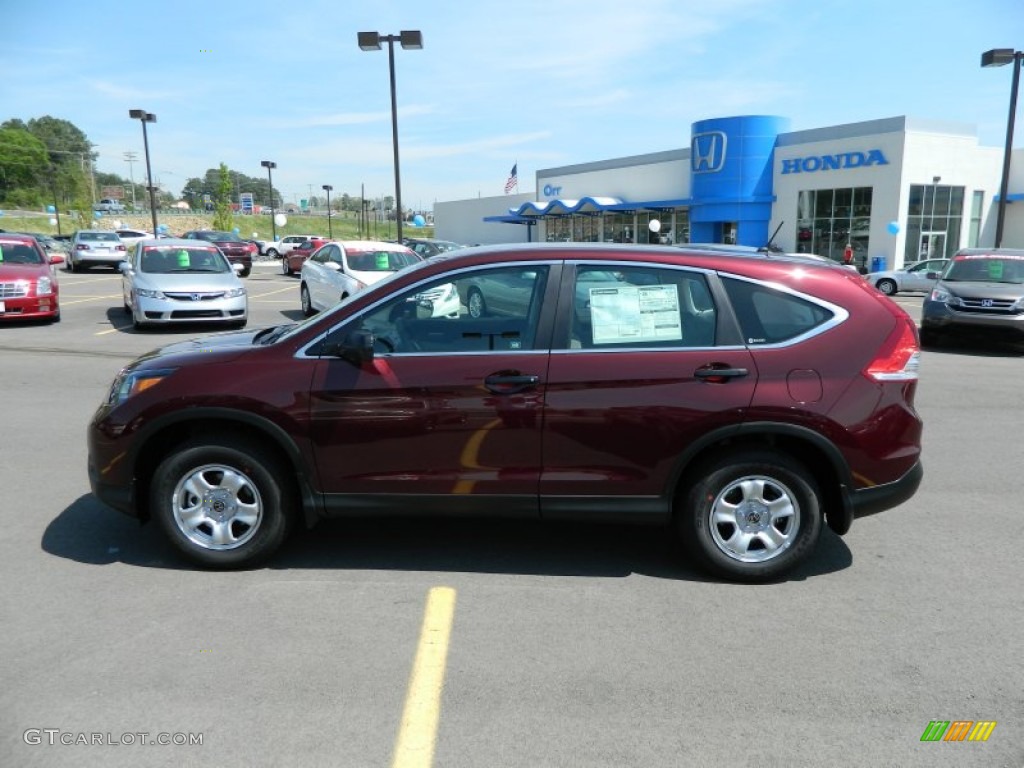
x,y
272,334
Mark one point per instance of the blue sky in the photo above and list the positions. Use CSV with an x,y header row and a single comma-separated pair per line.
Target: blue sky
x,y
538,83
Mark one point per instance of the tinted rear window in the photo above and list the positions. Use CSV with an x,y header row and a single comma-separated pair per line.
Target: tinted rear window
x,y
770,316
104,237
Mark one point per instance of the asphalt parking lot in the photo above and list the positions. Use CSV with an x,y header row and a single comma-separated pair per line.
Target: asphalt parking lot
x,y
556,645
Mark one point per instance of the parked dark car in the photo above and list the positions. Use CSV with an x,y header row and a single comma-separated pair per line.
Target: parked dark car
x,y
292,260
237,250
427,247
744,400
981,292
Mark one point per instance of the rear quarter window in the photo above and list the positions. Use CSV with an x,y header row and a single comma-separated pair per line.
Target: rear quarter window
x,y
770,316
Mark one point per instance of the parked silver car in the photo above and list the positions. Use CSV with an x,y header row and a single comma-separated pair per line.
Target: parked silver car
x,y
172,281
910,277
94,247
340,269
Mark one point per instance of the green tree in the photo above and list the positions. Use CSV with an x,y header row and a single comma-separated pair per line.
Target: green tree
x,y
222,199
24,167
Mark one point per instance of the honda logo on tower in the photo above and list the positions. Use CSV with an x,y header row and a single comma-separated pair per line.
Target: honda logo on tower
x,y
707,152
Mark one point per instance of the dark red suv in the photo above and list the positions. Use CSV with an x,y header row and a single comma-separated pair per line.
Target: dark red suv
x,y
237,250
743,399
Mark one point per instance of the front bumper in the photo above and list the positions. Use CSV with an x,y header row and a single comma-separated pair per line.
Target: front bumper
x,y
29,307
939,316
169,311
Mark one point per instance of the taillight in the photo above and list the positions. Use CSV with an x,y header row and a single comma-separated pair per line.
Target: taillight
x,y
899,357
81,247
120,248
251,247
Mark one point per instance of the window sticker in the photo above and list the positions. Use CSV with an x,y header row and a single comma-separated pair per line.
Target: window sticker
x,y
995,269
382,261
635,314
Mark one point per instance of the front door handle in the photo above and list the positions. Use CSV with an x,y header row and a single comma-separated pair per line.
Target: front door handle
x,y
510,382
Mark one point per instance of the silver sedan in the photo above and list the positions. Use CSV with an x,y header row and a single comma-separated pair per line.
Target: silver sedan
x,y
911,277
170,281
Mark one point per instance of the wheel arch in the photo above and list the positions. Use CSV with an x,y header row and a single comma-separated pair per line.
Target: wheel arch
x,y
821,457
165,435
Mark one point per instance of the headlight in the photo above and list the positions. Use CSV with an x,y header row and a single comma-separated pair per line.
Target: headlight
x,y
234,293
44,286
941,294
130,383
148,294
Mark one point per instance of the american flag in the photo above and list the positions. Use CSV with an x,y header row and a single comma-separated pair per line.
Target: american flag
x,y
513,180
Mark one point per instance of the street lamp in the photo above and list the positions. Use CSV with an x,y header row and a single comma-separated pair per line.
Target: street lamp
x,y
370,41
268,164
997,57
146,117
131,157
327,188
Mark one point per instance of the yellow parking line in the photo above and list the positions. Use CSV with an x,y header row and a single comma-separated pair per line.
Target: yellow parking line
x,y
64,302
280,290
115,329
417,735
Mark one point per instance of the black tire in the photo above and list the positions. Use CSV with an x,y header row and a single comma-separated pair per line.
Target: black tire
x,y
286,267
245,272
929,337
887,286
476,307
768,516
272,253
239,324
307,303
69,265
235,525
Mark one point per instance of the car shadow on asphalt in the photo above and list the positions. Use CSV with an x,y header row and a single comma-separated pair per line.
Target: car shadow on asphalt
x,y
122,322
89,532
976,346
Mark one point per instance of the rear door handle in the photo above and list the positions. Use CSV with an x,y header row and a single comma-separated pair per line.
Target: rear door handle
x,y
720,375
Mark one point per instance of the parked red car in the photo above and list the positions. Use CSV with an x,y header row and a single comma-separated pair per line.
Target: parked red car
x,y
744,400
237,250
28,285
291,262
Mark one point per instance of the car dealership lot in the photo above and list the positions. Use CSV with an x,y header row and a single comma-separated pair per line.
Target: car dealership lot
x,y
570,645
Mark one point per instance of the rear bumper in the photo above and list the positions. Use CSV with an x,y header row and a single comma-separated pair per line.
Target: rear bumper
x,y
870,501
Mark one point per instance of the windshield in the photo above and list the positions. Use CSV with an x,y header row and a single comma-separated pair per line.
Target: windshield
x,y
986,269
219,236
19,253
380,261
166,260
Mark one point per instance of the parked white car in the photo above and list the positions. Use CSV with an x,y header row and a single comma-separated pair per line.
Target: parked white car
x,y
340,269
131,236
911,277
276,248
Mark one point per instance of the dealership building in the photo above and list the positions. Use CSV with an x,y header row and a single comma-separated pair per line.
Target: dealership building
x,y
895,190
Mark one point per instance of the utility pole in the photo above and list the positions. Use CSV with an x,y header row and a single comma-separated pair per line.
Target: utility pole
x,y
131,157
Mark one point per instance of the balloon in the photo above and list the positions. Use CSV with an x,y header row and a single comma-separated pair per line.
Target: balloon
x,y
235,231
161,228
118,224
51,209
53,222
255,234
418,221
280,219
654,226
893,227
97,214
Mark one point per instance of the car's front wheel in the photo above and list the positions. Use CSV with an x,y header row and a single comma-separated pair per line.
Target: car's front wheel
x,y
475,304
286,267
272,253
307,302
751,517
886,286
223,502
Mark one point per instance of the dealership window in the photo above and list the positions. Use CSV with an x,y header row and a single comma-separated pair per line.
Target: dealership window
x,y
828,219
974,234
934,219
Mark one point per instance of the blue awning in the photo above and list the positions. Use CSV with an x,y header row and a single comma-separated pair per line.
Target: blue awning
x,y
1011,198
538,209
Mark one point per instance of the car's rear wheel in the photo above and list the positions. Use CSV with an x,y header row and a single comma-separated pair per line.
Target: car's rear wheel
x,y
286,267
272,253
69,265
245,272
475,304
223,502
886,286
751,517
307,303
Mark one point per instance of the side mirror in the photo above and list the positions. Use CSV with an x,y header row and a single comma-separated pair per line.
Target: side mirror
x,y
356,348
125,267
333,265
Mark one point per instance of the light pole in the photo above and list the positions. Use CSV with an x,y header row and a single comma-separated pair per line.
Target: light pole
x,y
268,164
413,40
327,188
147,117
997,57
